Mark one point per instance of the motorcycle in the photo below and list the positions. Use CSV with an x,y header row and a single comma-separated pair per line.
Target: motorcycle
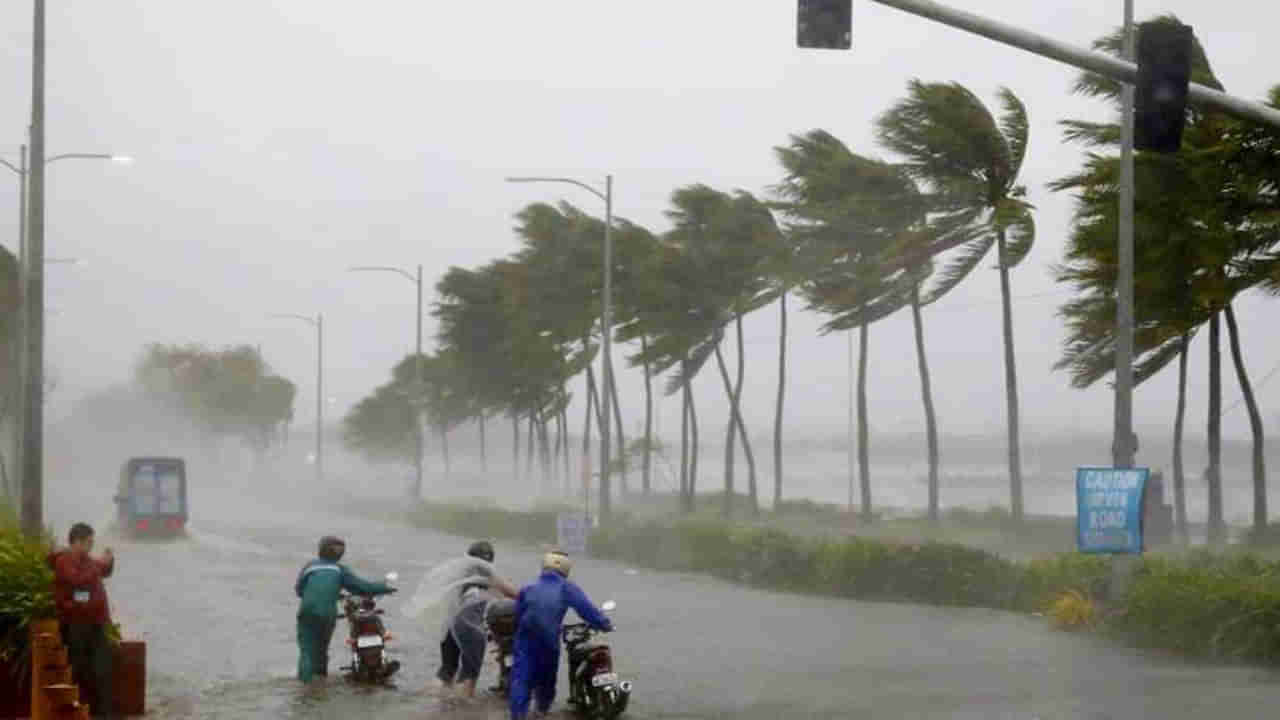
x,y
367,639
500,620
594,688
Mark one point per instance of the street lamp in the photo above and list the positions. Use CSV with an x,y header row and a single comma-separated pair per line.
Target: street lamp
x,y
21,170
417,359
606,320
29,440
318,323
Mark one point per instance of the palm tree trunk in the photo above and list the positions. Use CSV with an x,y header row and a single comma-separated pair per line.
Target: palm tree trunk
x,y
684,439
484,450
568,456
752,488
1010,387
586,442
444,446
620,440
693,450
1255,425
864,456
1179,474
595,391
562,453
515,445
528,457
544,449
782,392
930,419
646,472
1213,476
731,433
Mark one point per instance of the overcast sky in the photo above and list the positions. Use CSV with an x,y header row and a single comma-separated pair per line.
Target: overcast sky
x,y
280,141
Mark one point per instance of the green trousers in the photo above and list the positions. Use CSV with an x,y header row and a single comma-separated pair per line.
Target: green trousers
x,y
314,634
89,653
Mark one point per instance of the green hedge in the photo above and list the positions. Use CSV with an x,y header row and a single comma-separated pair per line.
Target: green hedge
x,y
1201,604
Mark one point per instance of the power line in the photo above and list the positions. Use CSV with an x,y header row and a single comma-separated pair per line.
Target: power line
x,y
1270,374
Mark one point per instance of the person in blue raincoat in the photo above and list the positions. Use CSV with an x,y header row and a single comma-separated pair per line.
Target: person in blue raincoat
x,y
540,610
318,586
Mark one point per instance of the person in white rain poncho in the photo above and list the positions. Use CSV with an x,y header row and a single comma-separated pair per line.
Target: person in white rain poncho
x,y
455,594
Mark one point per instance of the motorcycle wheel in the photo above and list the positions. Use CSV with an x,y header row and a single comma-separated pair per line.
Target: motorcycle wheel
x,y
606,704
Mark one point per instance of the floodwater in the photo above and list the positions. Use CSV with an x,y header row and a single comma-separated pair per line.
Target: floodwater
x,y
217,613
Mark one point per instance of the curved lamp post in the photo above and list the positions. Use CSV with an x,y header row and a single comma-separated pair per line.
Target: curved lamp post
x,y
417,420
606,321
318,323
29,441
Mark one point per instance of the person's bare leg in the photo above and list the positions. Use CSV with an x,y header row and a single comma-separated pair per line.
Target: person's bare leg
x,y
469,688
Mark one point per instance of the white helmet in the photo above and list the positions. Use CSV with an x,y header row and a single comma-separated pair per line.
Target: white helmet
x,y
557,560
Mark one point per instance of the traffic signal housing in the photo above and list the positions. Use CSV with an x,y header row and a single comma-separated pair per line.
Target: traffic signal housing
x,y
1164,74
824,24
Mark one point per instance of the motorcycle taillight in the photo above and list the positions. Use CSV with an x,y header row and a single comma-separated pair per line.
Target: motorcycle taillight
x,y
601,660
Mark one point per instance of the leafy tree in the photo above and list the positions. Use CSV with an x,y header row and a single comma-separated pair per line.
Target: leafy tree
x,y
226,393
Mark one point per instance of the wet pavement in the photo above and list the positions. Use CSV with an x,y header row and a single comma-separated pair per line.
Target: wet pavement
x,y
216,610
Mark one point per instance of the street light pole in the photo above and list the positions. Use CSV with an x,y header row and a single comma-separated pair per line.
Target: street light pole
x,y
606,321
418,370
33,303
1123,449
19,347
318,323
25,170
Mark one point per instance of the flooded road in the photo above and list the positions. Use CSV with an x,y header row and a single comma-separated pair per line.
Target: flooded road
x,y
217,612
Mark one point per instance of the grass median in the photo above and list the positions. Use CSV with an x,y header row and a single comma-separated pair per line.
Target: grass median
x,y
1198,604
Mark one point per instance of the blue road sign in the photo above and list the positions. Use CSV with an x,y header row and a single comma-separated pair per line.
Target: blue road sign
x,y
1109,509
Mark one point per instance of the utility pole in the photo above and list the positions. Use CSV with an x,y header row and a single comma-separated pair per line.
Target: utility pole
x,y
33,302
1123,449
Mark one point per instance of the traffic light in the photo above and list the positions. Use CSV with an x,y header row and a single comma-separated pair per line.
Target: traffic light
x,y
824,24
1164,71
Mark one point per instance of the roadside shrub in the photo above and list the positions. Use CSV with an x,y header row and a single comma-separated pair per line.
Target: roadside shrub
x,y
26,585
1200,604
1045,578
1073,610
1224,607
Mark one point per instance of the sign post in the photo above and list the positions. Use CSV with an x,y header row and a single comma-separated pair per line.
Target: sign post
x,y
572,529
1109,509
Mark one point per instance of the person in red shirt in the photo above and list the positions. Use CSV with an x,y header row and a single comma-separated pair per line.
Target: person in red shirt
x,y
81,602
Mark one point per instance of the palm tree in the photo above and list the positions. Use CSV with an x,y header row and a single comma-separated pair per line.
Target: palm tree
x,y
864,239
731,237
970,161
1205,232
683,315
637,253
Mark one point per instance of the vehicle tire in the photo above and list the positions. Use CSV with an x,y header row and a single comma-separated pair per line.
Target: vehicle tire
x,y
606,704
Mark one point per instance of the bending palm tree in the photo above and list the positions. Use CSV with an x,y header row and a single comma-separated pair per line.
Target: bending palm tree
x,y
970,162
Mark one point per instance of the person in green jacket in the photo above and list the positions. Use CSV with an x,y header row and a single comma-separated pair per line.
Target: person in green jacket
x,y
318,586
